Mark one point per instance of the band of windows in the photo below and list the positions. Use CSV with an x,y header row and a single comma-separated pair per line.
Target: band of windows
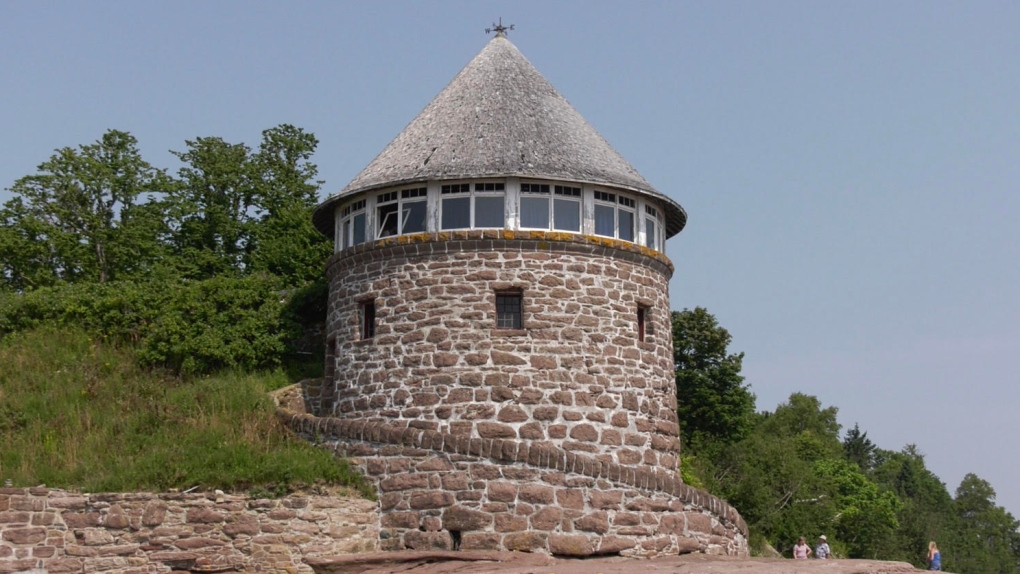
x,y
483,205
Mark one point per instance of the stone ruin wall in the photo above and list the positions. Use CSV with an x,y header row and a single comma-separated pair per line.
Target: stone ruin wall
x,y
576,376
55,531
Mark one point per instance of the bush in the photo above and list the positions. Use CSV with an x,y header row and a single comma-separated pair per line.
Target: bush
x,y
189,327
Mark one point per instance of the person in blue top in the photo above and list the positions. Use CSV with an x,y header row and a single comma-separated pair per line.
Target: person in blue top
x,y
934,559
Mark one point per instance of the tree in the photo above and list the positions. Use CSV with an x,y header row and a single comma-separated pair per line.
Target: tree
x,y
80,218
713,403
988,537
209,207
286,192
863,516
859,449
238,211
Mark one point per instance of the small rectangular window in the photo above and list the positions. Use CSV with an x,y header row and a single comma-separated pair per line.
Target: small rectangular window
x,y
367,320
508,311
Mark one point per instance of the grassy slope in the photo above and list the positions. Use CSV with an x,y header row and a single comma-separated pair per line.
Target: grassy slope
x,y
76,413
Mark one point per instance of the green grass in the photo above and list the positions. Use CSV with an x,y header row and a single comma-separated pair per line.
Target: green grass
x,y
80,414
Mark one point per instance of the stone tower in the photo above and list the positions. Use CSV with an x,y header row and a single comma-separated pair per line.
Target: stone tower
x,y
499,355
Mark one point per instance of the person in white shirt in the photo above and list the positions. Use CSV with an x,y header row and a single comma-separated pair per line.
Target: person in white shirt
x,y
822,550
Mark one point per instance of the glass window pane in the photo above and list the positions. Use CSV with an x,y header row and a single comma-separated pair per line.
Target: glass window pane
x,y
650,233
605,220
345,238
535,212
387,219
359,229
414,217
489,211
626,225
456,213
508,311
567,215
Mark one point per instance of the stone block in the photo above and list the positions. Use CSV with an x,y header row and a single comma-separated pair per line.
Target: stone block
x,y
604,500
532,431
547,518
615,545
570,498
418,540
80,519
512,414
536,494
526,541
408,520
404,482
480,541
203,515
570,545
502,492
597,522
462,519
432,499
510,523
584,433
546,413
495,430
30,535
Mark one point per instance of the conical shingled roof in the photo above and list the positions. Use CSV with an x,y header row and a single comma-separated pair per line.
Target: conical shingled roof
x,y
499,117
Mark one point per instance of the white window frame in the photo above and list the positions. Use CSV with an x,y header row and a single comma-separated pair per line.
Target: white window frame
x,y
473,191
652,215
401,198
619,203
552,193
348,219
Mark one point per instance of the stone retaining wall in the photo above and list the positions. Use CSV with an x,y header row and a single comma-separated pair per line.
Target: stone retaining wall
x,y
442,491
44,530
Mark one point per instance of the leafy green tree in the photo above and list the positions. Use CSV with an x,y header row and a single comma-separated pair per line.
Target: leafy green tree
x,y
863,516
80,218
209,207
286,193
713,403
927,512
988,538
813,429
238,211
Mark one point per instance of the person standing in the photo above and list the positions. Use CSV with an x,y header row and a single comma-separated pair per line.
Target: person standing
x,y
822,551
934,558
801,550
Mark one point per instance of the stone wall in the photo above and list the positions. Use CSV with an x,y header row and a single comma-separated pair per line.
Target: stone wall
x,y
577,375
443,491
57,531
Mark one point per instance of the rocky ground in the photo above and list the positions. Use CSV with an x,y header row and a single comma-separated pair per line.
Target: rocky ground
x,y
521,563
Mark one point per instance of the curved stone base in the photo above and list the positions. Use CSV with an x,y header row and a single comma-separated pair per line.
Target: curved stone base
x,y
445,492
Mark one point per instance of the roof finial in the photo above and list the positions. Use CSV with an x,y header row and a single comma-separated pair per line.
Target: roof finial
x,y
499,29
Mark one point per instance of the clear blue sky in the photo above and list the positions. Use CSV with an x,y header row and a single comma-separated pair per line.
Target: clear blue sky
x,y
851,169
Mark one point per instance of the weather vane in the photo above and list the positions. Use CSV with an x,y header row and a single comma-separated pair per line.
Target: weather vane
x,y
499,29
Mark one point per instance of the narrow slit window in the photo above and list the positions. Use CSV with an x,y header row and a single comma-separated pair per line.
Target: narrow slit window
x,y
367,320
642,318
508,311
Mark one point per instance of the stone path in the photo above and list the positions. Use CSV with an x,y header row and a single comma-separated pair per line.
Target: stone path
x,y
524,563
